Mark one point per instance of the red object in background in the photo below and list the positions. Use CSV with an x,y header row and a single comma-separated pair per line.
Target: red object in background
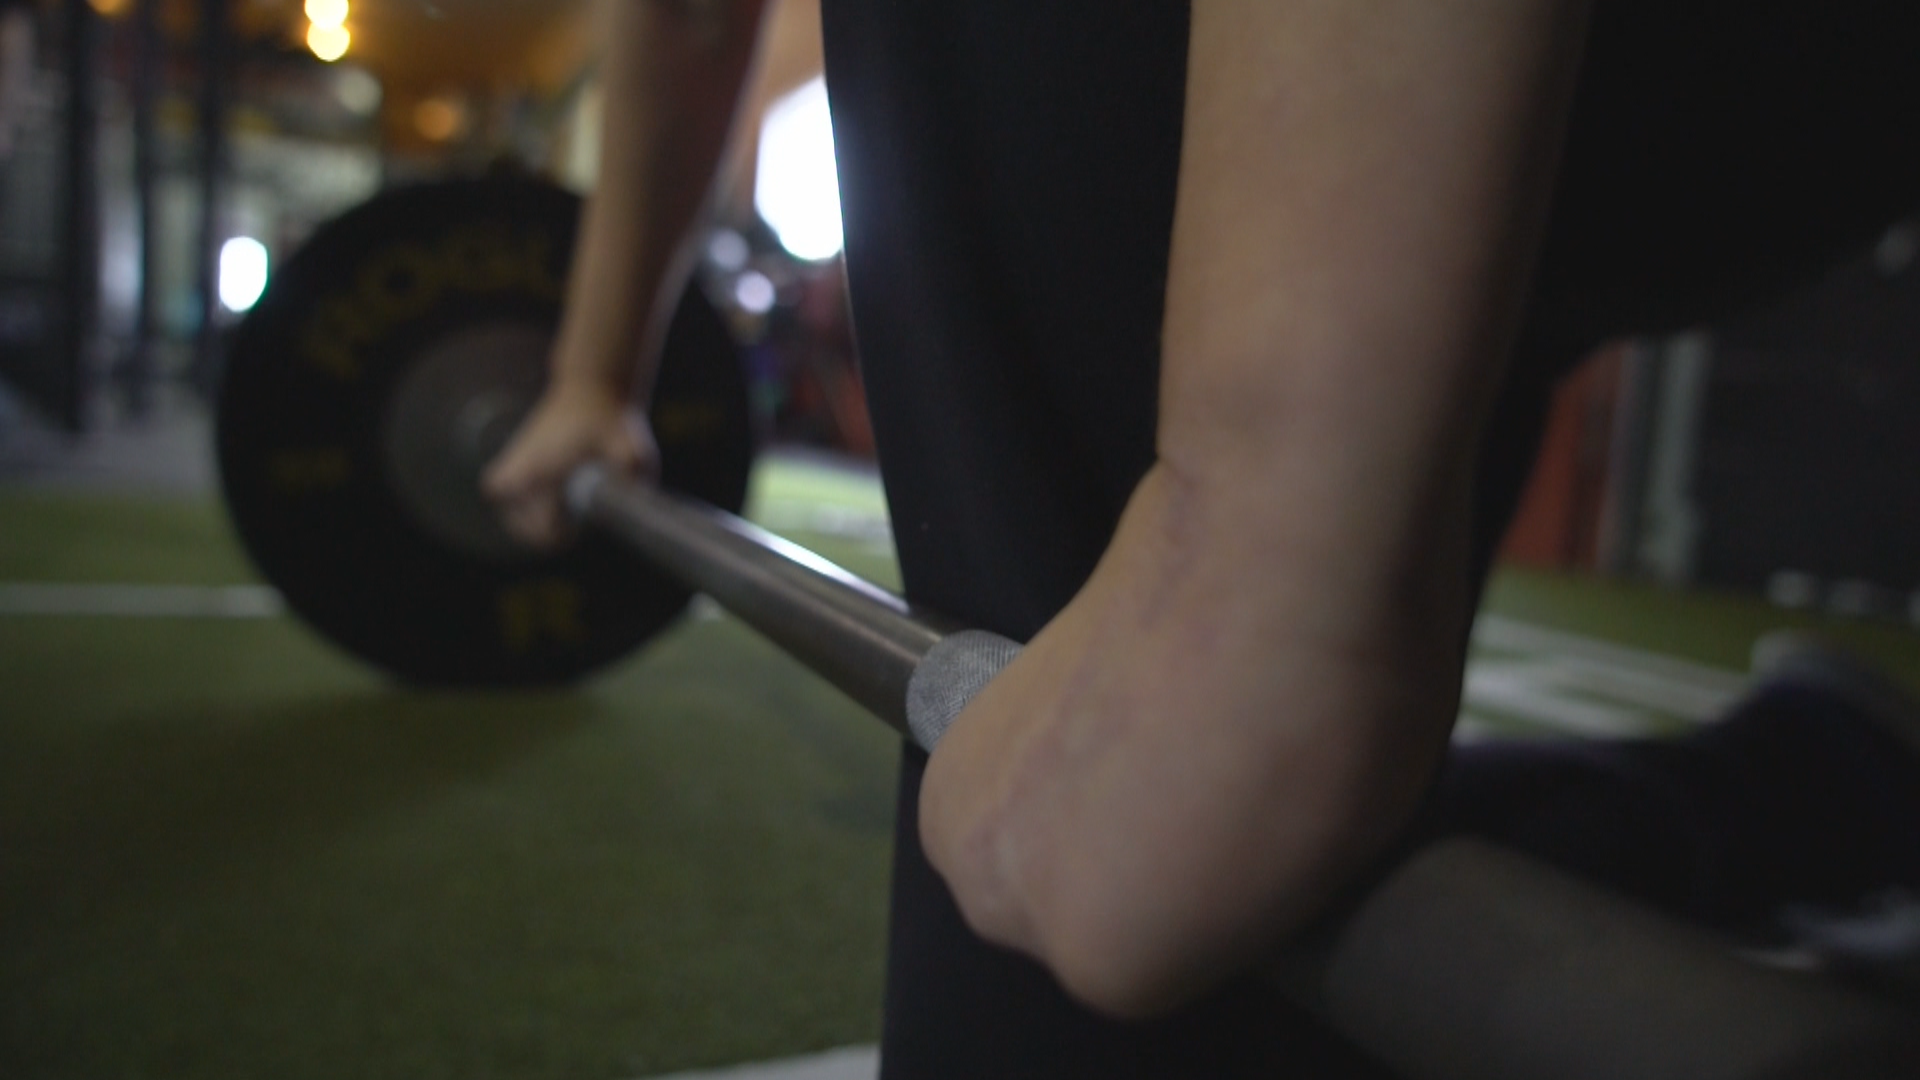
x,y
825,318
1559,519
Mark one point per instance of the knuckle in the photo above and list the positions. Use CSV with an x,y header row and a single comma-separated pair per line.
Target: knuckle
x,y
990,898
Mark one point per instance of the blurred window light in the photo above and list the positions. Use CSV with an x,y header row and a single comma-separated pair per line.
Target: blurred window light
x,y
728,250
329,43
357,90
754,293
327,12
796,190
243,272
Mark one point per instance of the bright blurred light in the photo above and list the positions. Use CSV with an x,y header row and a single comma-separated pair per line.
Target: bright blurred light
x,y
753,292
440,118
110,8
327,12
329,43
243,272
796,190
357,90
728,250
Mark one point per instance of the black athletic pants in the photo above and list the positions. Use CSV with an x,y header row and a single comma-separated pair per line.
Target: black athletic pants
x,y
1007,176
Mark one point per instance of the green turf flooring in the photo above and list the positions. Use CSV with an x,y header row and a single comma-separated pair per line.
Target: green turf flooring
x,y
227,851
1715,628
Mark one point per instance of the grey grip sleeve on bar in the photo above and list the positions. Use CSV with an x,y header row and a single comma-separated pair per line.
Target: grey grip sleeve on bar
x,y
954,670
1460,962
583,486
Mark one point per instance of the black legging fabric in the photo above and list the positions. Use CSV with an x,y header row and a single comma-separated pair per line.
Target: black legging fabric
x,y
1007,174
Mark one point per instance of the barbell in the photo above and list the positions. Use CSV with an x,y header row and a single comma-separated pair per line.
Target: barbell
x,y
391,356
395,353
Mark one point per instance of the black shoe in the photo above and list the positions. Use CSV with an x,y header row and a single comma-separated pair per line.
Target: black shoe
x,y
1789,658
1879,938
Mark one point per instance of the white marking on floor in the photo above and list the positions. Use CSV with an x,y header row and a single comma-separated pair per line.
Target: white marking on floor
x,y
1500,632
1471,728
1565,683
1558,682
1533,690
1654,690
141,601
868,527
848,1063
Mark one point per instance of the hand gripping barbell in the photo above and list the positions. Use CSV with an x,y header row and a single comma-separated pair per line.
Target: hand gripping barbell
x,y
392,356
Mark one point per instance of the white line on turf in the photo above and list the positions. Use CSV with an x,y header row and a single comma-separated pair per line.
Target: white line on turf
x,y
1472,728
868,527
849,1063
140,601
1560,682
1566,683
1530,691
1500,632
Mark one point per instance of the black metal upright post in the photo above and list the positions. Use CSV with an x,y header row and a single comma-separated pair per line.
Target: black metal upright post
x,y
80,224
148,58
216,54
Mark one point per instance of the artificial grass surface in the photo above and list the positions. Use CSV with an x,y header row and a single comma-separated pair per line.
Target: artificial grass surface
x,y
228,851
1716,628
50,535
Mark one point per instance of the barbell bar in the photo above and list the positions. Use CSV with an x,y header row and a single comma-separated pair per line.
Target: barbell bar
x,y
1463,962
394,352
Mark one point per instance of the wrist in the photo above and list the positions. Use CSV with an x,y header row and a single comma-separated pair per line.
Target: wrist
x,y
600,391
1286,724
1300,548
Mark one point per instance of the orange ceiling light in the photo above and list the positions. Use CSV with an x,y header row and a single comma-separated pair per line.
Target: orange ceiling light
x,y
422,48
327,12
329,43
440,118
327,33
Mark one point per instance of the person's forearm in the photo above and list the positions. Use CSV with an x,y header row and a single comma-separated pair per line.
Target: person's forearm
x,y
672,72
1245,703
1360,190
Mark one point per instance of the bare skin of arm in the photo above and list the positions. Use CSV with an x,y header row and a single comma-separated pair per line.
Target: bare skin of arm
x,y
1247,701
672,71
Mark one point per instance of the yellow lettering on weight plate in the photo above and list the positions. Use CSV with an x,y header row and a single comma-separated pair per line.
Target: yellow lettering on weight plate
x,y
309,469
332,337
684,420
399,284
537,267
540,612
405,281
481,257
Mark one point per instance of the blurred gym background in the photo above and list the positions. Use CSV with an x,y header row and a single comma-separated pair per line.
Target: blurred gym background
x,y
228,851
159,159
